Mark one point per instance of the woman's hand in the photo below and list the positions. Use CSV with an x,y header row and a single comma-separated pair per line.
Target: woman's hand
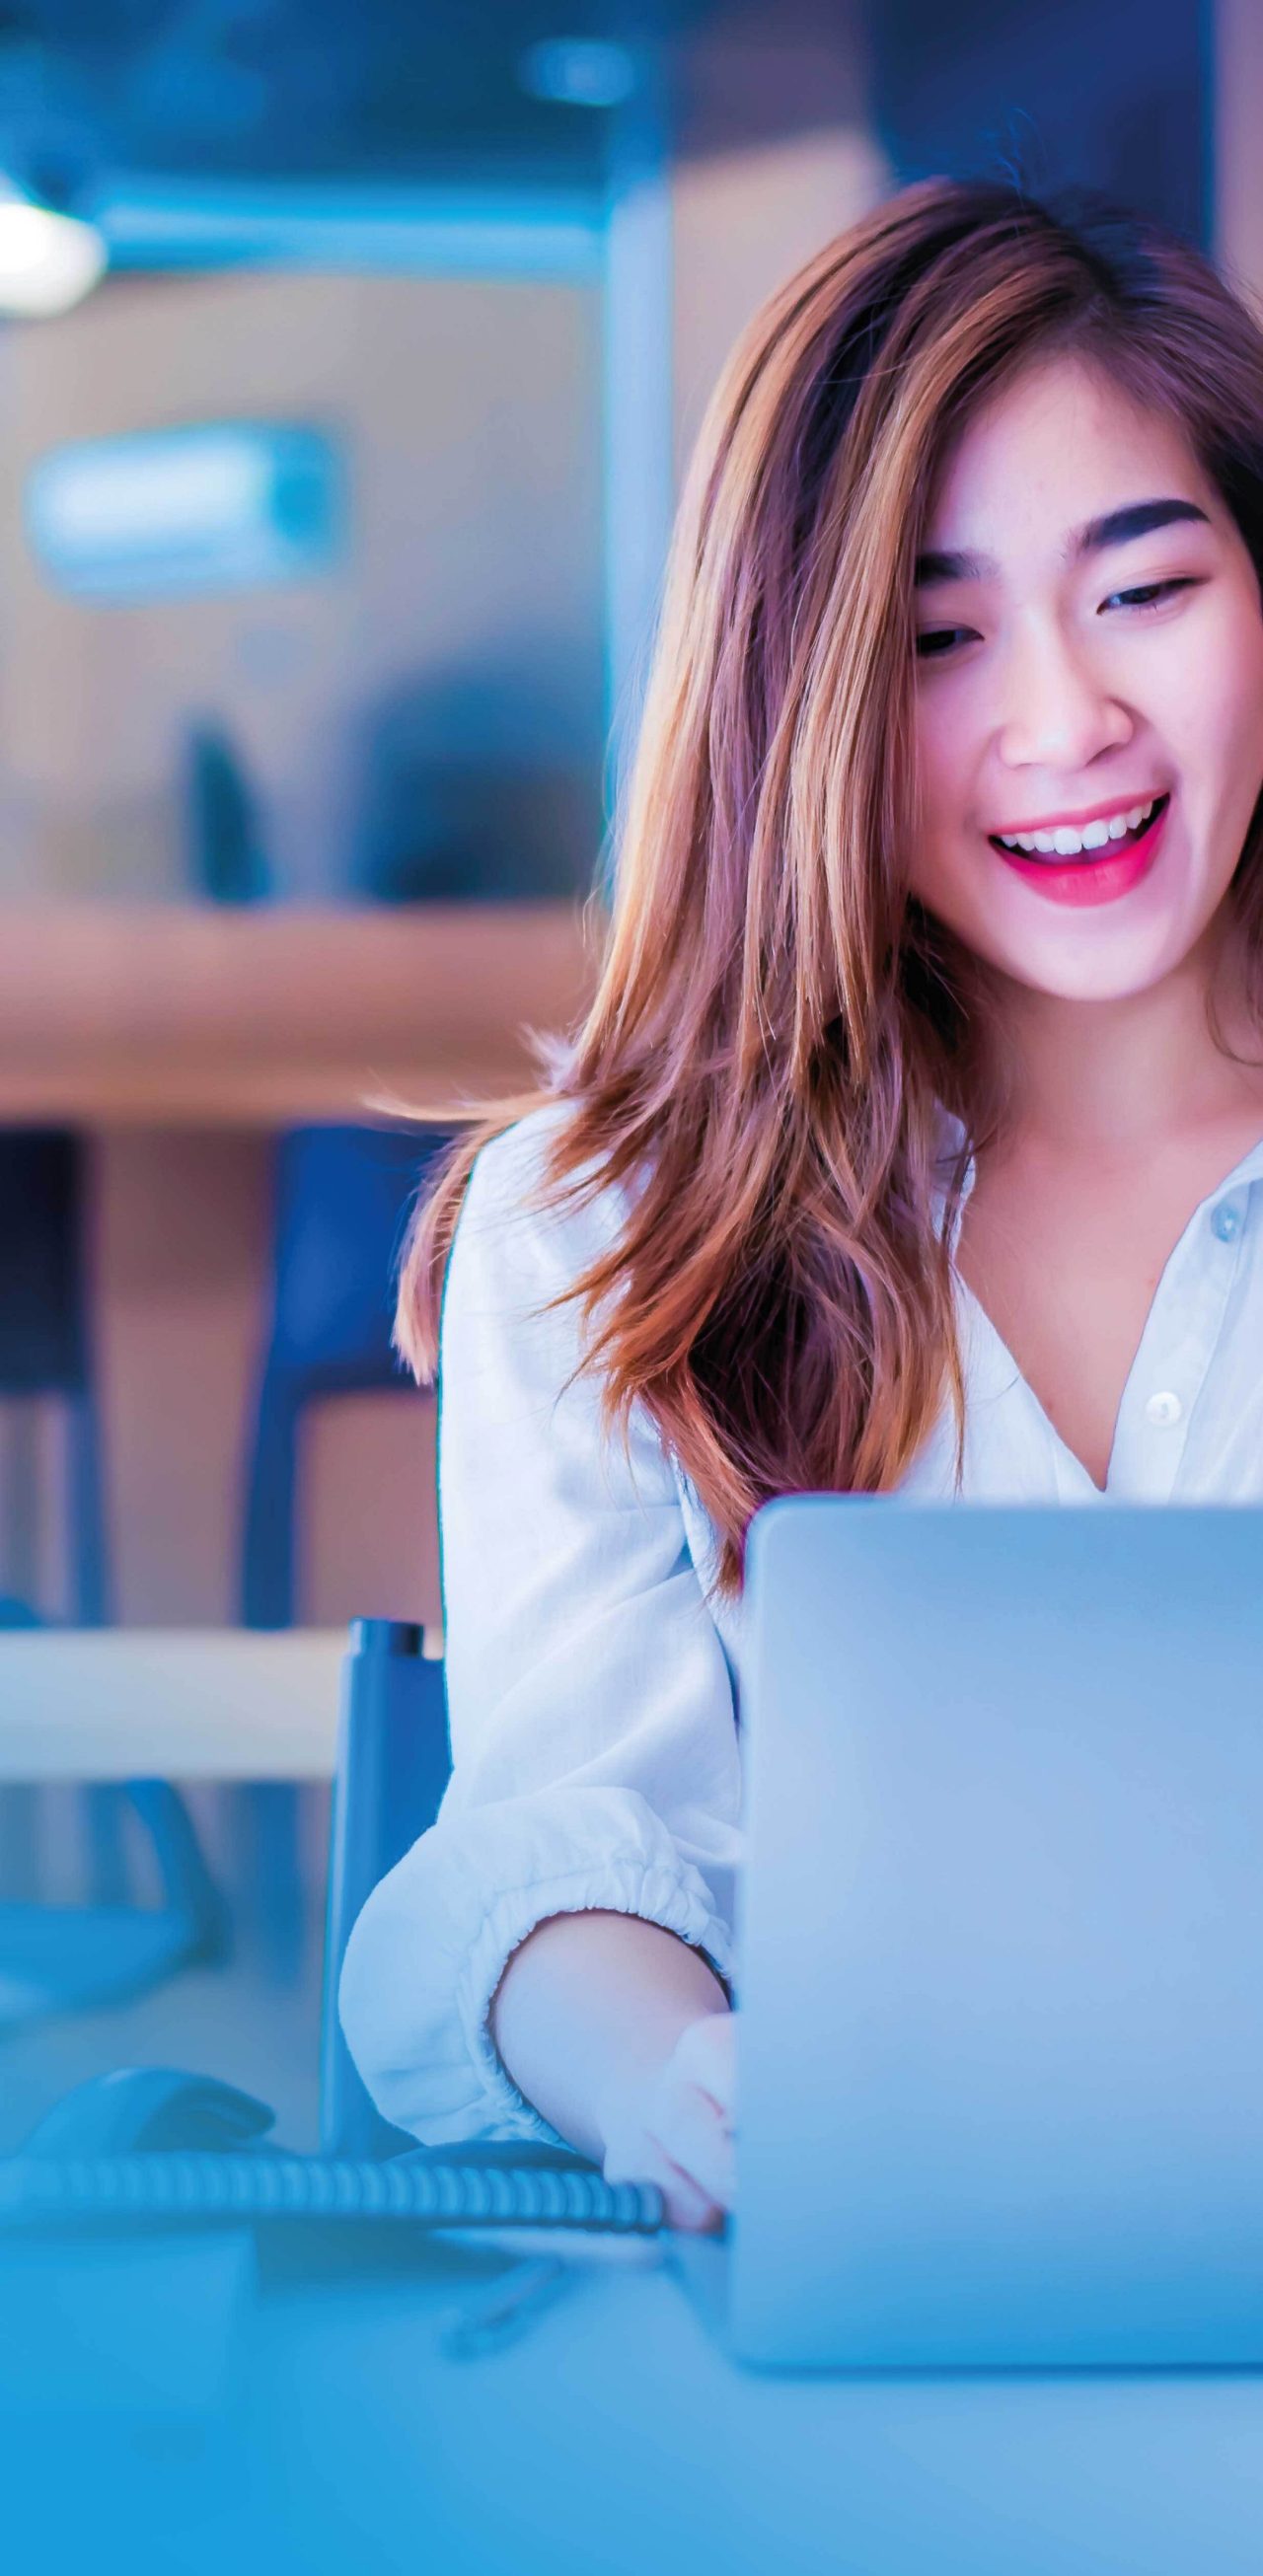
x,y
673,2124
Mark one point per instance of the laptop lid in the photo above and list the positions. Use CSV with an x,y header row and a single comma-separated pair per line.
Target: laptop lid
x,y
1001,1936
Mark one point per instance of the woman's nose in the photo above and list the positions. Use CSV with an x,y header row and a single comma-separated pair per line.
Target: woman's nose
x,y
1057,712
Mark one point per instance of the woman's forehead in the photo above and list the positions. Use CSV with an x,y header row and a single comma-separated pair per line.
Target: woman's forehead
x,y
1056,446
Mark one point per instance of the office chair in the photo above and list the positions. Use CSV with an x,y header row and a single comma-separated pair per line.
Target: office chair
x,y
44,1340
342,1197
393,1766
341,1202
84,1958
77,1958
44,1351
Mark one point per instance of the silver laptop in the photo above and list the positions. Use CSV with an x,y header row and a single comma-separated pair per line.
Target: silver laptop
x,y
1001,1940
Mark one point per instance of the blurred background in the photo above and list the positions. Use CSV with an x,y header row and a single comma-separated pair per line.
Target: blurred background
x,y
349,360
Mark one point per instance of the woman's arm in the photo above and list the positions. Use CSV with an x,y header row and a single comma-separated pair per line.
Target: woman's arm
x,y
596,1769
622,2037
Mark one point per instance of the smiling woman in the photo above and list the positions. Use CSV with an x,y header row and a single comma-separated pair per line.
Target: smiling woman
x,y
969,552
914,1139
1112,660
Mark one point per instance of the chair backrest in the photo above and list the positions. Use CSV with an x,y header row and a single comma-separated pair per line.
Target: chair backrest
x,y
393,1766
43,1295
343,1198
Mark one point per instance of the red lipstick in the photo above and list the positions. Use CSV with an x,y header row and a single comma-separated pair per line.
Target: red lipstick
x,y
1094,877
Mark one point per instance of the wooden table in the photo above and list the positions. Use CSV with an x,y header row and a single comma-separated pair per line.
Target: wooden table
x,y
180,1037
187,1016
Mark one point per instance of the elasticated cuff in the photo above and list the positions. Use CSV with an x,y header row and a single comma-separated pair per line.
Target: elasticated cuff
x,y
429,1950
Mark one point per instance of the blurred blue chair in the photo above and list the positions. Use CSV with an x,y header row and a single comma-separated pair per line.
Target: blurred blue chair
x,y
43,1328
43,1352
392,1768
224,850
71,1958
84,1958
342,1197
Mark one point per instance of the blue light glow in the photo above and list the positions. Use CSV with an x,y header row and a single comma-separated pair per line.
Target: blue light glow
x,y
223,506
578,71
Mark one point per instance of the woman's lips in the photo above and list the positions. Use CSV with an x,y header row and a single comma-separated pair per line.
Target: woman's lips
x,y
1092,879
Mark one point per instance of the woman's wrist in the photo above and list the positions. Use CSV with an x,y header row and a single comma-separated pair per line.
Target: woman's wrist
x,y
588,2011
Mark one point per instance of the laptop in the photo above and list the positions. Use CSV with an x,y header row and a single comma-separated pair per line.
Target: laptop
x,y
1000,1940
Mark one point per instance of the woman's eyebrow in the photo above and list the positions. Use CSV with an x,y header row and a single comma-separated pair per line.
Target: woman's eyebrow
x,y
1115,528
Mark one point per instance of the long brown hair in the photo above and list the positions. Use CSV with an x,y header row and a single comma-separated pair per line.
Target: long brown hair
x,y
777,1021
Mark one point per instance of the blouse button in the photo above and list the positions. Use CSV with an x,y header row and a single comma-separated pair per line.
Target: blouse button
x,y
1163,1409
1226,1222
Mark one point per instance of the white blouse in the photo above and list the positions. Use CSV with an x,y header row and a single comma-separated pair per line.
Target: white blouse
x,y
590,1683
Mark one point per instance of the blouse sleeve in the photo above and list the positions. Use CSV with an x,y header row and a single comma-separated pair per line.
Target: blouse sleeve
x,y
590,1699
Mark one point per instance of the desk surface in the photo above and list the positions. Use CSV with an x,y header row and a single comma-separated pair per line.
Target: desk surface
x,y
178,1704
615,2439
192,1016
620,2437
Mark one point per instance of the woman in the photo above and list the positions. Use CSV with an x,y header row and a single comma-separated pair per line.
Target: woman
x,y
911,1144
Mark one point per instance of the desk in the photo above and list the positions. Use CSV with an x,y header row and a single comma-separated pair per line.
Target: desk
x,y
181,1037
118,1704
617,2441
185,1016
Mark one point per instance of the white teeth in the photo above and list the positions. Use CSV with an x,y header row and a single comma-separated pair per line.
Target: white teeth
x,y
1068,843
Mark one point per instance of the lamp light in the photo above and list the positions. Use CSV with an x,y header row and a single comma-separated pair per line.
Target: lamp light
x,y
48,261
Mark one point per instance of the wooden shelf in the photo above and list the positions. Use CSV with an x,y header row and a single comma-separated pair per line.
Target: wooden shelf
x,y
181,1016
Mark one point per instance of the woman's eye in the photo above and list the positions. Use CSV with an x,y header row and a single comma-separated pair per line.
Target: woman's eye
x,y
1150,594
938,640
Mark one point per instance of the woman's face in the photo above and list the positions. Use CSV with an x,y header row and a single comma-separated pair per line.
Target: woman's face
x,y
1089,639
